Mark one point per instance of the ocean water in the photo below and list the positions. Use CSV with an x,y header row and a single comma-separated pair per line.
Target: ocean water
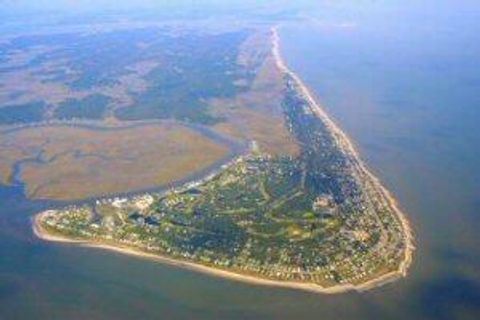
x,y
403,80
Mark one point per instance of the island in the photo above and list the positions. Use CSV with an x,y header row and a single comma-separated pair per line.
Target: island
x,y
316,219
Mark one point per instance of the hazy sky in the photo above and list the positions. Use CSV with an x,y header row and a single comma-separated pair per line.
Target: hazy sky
x,y
344,11
433,5
57,5
36,12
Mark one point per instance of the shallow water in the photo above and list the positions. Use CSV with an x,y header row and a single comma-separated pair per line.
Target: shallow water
x,y
403,81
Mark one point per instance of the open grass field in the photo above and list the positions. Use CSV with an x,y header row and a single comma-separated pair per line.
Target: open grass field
x,y
64,162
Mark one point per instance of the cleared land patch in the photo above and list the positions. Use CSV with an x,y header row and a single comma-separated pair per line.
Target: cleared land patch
x,y
64,162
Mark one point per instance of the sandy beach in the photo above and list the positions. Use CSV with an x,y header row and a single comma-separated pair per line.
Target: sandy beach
x,y
42,234
345,144
347,147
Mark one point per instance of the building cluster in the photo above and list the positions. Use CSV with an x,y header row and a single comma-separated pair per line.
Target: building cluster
x,y
315,218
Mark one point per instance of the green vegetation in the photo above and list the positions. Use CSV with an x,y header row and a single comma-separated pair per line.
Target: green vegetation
x,y
235,221
24,113
194,69
315,217
137,74
90,107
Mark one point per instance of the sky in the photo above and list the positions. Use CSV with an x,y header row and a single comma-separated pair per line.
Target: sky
x,y
21,15
88,5
348,11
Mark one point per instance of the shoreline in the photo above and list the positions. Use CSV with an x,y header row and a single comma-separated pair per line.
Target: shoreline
x,y
346,146
235,148
42,234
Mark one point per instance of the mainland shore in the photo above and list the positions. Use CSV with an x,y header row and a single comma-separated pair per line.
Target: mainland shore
x,y
345,144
